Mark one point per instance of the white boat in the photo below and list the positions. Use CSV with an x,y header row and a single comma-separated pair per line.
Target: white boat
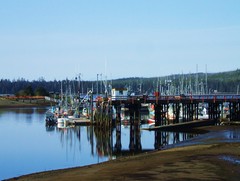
x,y
203,114
85,112
63,120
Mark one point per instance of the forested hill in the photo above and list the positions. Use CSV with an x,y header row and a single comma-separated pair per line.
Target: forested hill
x,y
178,83
225,81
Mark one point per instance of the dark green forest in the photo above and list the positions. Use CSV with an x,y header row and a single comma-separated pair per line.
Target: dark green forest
x,y
200,83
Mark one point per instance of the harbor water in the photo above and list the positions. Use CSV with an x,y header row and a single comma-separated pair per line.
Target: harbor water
x,y
29,146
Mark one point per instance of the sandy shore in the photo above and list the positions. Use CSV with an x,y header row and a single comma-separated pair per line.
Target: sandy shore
x,y
212,156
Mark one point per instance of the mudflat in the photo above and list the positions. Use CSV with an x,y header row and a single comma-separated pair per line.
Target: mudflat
x,y
212,156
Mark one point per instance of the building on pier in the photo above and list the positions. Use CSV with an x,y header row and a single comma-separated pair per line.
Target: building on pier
x,y
119,94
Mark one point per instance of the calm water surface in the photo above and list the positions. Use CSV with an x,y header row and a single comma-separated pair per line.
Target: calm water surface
x,y
28,146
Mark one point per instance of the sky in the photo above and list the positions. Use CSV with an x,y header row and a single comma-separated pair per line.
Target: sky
x,y
59,39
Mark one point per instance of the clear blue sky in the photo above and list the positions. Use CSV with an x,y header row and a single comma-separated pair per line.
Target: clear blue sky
x,y
58,39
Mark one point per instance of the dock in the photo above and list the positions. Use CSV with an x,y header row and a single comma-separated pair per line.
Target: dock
x,y
80,121
182,126
231,123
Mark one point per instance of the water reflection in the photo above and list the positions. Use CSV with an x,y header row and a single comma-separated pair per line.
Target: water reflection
x,y
108,142
104,141
163,139
27,110
230,159
69,135
135,138
56,147
20,111
50,128
233,134
118,144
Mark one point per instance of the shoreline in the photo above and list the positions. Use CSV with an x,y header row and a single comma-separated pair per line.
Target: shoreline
x,y
4,103
209,156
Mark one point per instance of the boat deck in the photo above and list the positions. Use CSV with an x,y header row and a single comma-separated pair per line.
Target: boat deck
x,y
81,121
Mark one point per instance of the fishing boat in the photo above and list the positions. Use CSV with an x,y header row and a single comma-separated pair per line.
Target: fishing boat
x,y
62,120
50,117
203,114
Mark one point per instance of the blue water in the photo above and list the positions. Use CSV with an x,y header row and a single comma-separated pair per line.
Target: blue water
x,y
28,146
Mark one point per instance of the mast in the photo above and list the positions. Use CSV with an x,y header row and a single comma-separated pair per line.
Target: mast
x,y
196,83
61,93
206,79
190,83
79,83
182,84
105,82
97,84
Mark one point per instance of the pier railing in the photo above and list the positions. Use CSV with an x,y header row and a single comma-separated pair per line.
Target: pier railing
x,y
177,98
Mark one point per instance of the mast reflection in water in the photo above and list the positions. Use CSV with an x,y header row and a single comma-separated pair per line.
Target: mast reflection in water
x,y
28,145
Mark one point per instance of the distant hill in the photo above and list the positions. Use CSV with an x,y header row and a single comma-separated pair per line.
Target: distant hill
x,y
227,82
172,84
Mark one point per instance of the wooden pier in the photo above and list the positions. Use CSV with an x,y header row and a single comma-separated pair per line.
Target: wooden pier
x,y
187,105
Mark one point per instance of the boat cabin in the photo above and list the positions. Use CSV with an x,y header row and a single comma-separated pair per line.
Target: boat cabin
x,y
119,94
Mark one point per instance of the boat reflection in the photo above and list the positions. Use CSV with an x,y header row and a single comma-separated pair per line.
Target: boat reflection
x,y
109,142
163,139
27,110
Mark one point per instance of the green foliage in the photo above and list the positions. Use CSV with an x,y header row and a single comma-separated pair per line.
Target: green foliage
x,y
41,91
20,93
222,82
28,91
225,81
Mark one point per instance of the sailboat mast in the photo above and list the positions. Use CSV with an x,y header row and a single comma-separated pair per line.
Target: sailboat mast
x,y
206,79
61,92
196,88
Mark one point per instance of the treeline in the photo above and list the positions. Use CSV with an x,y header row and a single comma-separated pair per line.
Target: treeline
x,y
223,82
42,87
227,82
